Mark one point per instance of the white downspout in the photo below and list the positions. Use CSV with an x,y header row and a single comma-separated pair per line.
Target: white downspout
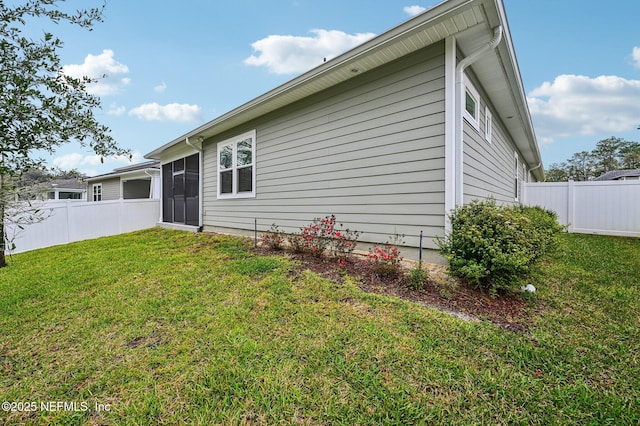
x,y
460,101
188,142
146,172
200,178
536,167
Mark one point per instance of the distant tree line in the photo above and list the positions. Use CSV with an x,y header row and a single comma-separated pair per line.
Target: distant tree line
x,y
37,175
609,154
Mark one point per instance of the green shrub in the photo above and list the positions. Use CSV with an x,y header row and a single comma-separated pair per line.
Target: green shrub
x,y
493,246
417,277
545,227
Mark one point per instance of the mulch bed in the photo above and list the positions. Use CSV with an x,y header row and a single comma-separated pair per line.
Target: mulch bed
x,y
508,311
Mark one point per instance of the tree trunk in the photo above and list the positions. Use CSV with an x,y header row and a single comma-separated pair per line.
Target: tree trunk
x,y
3,259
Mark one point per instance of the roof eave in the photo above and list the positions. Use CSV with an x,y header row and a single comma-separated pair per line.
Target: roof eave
x,y
122,174
438,15
445,19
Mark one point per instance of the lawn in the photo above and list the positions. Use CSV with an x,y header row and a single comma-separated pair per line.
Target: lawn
x,y
168,327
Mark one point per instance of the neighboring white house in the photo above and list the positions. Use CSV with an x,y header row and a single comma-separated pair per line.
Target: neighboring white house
x,y
125,200
66,189
389,136
137,181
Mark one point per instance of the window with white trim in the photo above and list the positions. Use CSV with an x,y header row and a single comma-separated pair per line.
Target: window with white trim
x,y
237,166
471,110
97,192
488,124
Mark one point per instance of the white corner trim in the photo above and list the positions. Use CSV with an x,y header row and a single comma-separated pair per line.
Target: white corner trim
x,y
449,130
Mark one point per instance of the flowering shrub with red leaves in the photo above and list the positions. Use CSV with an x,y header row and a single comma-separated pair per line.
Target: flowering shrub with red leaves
x,y
343,243
273,238
296,242
317,235
386,259
322,236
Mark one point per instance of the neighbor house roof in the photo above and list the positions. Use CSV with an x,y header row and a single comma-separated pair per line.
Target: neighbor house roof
x,y
126,170
470,21
66,184
618,174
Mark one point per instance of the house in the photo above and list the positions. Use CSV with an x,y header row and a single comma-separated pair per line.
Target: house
x,y
620,175
390,137
130,182
55,189
66,189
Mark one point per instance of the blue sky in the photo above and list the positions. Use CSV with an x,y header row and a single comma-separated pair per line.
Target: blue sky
x,y
173,66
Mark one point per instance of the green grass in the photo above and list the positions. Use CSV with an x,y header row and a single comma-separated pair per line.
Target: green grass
x,y
167,327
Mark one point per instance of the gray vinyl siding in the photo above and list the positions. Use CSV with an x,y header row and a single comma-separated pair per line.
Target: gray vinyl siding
x,y
489,167
110,189
370,151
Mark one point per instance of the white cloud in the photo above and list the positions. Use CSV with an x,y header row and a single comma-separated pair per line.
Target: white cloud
x,y
86,163
635,55
69,161
115,109
160,88
414,10
283,54
575,105
183,113
104,69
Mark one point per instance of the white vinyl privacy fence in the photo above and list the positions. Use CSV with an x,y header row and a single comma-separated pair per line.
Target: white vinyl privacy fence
x,y
603,207
70,221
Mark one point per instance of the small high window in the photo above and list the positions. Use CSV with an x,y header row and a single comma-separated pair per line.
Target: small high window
x,y
472,105
488,125
236,167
